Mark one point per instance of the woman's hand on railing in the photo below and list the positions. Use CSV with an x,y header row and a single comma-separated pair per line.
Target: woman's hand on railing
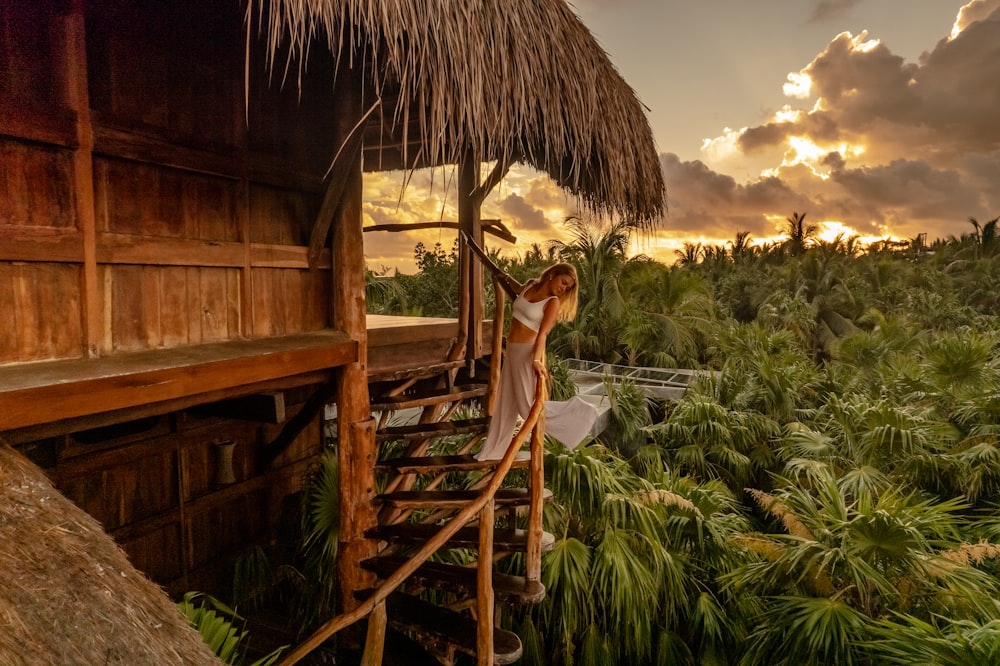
x,y
540,369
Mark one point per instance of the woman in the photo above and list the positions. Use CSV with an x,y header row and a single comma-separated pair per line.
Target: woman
x,y
538,305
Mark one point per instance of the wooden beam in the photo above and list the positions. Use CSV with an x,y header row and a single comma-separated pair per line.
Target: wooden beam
x,y
83,175
472,294
37,393
348,155
20,244
66,426
48,126
497,230
309,411
356,448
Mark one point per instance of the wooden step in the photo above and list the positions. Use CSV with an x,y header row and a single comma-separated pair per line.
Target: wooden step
x,y
414,373
455,499
443,464
436,624
432,430
506,539
398,650
427,398
463,580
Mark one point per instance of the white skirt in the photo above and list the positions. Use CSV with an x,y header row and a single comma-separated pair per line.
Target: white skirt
x,y
568,421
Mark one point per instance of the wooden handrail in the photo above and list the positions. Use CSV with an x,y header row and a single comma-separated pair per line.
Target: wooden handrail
x,y
335,624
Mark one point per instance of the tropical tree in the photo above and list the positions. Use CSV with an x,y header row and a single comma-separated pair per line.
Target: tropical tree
x,y
834,564
669,315
599,253
800,234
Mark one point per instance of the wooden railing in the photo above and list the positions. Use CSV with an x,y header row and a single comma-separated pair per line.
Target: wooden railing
x,y
483,506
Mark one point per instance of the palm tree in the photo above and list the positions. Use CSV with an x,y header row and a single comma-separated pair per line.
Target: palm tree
x,y
598,252
800,234
629,578
835,564
689,254
741,247
669,315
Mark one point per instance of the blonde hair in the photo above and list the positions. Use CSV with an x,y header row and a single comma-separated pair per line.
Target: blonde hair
x,y
568,301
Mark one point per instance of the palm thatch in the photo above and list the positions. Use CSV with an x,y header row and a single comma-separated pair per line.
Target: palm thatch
x,y
68,594
512,81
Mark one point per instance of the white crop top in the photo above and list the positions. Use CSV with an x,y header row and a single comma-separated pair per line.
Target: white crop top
x,y
528,313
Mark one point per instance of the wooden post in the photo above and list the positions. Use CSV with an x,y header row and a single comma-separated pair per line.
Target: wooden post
x,y
536,489
375,640
499,302
355,426
484,587
469,221
78,98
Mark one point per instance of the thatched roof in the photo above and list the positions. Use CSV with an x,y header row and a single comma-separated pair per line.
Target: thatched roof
x,y
516,80
68,594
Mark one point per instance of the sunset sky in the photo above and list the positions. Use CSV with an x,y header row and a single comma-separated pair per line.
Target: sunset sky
x,y
874,117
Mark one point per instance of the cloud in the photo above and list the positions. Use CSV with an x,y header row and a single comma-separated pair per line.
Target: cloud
x,y
977,10
705,203
832,9
885,146
522,214
874,143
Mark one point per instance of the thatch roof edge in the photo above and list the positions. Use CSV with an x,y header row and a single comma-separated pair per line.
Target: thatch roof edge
x,y
522,78
68,594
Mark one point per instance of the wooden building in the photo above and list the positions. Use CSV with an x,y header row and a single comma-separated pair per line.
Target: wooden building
x,y
181,247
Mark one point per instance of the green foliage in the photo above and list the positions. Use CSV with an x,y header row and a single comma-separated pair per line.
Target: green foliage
x,y
214,621
827,495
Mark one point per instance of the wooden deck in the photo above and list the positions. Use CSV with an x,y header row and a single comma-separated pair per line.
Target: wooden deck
x,y
34,397
407,342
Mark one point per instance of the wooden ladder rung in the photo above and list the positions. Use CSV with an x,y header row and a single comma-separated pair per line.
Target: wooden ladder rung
x,y
425,399
504,539
455,499
445,464
462,579
431,430
414,373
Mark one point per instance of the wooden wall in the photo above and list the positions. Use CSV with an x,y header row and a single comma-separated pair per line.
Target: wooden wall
x,y
152,485
143,203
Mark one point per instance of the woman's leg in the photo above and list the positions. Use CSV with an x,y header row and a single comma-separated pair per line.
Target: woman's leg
x,y
517,388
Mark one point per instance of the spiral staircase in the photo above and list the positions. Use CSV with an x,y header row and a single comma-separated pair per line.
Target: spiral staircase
x,y
444,524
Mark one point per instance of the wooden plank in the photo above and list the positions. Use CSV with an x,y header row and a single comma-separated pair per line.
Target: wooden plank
x,y
214,306
467,537
175,327
148,149
462,579
36,186
272,255
435,429
38,393
130,248
453,499
63,426
8,303
24,244
434,397
443,464
44,125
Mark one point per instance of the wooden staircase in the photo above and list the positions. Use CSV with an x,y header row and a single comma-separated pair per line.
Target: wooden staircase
x,y
445,520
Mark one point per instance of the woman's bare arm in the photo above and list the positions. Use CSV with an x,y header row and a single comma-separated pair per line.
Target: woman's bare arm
x,y
548,322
